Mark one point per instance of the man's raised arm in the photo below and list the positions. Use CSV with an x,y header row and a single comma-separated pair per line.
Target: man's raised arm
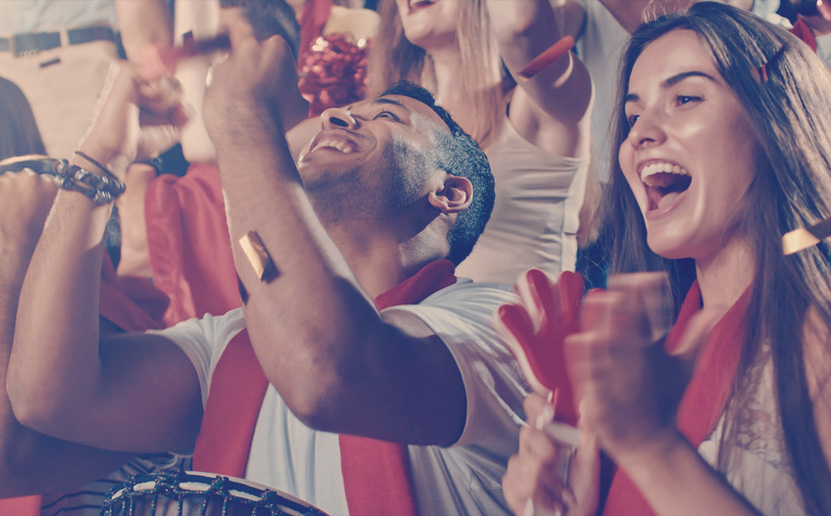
x,y
135,393
314,329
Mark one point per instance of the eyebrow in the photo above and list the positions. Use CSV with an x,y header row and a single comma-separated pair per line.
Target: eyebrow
x,y
384,100
675,79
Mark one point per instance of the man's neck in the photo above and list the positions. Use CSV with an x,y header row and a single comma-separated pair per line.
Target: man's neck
x,y
375,259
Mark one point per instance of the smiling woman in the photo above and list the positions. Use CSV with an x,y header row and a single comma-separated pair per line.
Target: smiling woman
x,y
722,126
742,109
690,154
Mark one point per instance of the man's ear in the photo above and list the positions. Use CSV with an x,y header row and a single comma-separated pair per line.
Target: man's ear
x,y
454,196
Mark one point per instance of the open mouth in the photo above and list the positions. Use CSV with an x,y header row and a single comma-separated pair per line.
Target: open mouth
x,y
664,182
337,145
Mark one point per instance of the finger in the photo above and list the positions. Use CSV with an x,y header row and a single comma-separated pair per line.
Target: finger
x,y
161,96
537,445
531,288
654,296
587,363
584,476
594,310
513,322
526,479
570,287
695,335
534,405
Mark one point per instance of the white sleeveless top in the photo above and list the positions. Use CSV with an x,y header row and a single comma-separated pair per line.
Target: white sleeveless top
x,y
535,217
758,467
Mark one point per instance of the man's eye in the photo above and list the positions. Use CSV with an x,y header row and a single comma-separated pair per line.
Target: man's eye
x,y
387,114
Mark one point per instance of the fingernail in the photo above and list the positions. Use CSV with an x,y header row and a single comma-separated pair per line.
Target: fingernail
x,y
529,507
545,417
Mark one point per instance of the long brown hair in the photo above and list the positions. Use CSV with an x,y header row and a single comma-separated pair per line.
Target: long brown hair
x,y
394,58
790,114
19,132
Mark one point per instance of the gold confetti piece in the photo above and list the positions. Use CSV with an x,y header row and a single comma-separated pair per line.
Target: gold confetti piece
x,y
257,255
803,238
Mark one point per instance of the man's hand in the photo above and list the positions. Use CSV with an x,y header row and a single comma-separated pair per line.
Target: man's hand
x,y
257,80
135,119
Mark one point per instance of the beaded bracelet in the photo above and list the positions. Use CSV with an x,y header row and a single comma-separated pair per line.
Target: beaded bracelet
x,y
99,189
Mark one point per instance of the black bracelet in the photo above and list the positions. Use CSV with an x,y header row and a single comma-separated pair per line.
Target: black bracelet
x,y
99,189
156,163
96,163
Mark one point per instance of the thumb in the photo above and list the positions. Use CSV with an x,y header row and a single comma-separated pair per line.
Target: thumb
x,y
695,335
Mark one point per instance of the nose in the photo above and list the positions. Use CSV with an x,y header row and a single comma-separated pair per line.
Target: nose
x,y
338,117
647,130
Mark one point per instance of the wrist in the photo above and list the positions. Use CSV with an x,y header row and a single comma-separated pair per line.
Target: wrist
x,y
641,462
101,161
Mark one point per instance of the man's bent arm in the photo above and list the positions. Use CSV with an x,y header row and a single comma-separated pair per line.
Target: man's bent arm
x,y
137,393
315,331
31,462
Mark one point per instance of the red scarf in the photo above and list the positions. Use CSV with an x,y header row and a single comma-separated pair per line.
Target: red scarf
x,y
132,304
376,473
704,398
187,238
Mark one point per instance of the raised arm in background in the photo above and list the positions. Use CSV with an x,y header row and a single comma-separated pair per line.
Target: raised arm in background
x,y
551,109
142,23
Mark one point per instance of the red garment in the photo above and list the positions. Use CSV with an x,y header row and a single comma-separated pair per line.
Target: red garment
x,y
376,473
189,244
314,18
804,32
704,398
25,506
132,304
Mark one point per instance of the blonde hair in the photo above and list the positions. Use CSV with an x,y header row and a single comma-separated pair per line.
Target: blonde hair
x,y
394,58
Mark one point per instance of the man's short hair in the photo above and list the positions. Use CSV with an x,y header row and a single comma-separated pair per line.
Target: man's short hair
x,y
269,18
459,155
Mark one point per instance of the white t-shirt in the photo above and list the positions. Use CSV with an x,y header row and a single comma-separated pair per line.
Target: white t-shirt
x,y
461,479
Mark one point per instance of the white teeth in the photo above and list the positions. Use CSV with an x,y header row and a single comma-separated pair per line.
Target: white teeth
x,y
661,166
340,145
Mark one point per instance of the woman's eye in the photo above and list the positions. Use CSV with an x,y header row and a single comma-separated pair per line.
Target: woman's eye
x,y
631,119
686,99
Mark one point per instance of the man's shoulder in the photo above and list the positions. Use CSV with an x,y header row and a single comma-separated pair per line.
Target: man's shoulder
x,y
209,331
461,312
466,290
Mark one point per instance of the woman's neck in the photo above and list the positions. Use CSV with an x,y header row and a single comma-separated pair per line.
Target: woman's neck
x,y
447,68
724,277
450,93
